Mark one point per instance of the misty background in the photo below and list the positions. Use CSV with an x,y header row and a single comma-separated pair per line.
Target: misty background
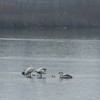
x,y
49,14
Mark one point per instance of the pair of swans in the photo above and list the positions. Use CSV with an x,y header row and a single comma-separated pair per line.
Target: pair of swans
x,y
39,71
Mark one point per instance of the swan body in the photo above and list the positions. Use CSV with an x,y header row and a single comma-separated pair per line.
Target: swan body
x,y
28,71
66,76
41,71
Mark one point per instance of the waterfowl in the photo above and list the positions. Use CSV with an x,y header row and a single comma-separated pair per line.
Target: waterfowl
x,y
41,71
28,71
66,76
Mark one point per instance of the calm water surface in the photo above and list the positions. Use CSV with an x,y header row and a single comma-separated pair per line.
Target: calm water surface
x,y
80,58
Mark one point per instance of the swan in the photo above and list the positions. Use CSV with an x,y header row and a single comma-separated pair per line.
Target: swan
x,y
66,76
28,71
41,71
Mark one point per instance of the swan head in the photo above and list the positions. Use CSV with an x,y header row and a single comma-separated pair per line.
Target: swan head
x,y
23,73
61,73
44,69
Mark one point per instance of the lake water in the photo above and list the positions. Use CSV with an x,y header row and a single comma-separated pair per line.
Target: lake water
x,y
56,52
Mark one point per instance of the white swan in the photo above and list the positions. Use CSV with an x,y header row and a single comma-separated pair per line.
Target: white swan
x,y
41,71
28,71
66,76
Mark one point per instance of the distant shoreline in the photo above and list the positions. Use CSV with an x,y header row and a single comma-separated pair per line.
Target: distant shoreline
x,y
21,26
49,14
